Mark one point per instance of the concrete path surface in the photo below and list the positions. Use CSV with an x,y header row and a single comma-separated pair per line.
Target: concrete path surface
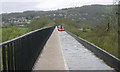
x,y
63,52
52,56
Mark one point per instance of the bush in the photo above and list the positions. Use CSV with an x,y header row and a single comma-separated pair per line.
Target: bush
x,y
12,32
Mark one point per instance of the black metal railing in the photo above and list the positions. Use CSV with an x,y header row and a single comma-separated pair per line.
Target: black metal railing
x,y
21,53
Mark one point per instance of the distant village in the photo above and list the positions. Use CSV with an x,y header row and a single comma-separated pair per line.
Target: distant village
x,y
18,21
22,21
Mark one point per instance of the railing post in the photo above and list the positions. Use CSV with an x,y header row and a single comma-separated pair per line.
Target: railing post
x,y
4,58
10,56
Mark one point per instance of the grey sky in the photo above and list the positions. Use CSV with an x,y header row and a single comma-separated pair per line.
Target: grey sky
x,y
18,6
23,5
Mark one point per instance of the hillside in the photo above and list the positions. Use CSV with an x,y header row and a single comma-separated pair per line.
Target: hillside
x,y
89,15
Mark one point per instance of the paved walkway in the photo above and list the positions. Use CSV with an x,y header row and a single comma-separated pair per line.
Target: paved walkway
x,y
63,52
52,56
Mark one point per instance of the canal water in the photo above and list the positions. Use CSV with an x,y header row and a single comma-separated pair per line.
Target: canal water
x,y
78,57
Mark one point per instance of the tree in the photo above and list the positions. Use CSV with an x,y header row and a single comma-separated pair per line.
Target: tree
x,y
40,23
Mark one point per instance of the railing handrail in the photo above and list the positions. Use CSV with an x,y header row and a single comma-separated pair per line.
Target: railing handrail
x,y
22,36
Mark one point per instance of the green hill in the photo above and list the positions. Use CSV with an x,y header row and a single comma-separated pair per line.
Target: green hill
x,y
89,15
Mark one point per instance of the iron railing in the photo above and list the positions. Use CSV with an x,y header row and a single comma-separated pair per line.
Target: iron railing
x,y
21,53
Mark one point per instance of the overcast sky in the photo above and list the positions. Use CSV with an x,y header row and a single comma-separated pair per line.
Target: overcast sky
x,y
23,5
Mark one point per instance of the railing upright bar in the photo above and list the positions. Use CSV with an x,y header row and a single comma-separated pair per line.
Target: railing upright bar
x,y
8,56
4,58
11,49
